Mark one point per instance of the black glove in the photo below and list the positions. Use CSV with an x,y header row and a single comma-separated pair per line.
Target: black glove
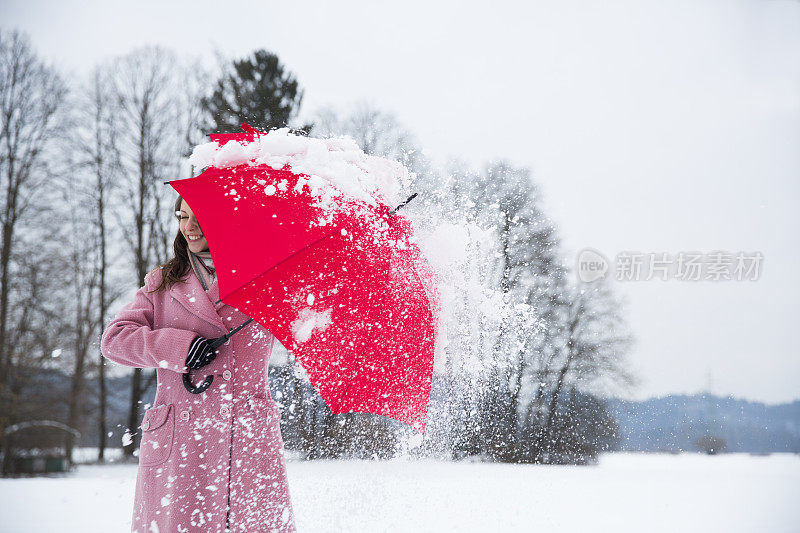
x,y
201,353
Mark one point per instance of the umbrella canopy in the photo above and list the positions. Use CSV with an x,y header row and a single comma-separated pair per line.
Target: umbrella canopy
x,y
341,285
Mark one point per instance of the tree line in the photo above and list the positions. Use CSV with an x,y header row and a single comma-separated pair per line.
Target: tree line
x,y
85,216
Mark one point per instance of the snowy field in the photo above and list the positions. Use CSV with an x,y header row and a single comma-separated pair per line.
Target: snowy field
x,y
626,492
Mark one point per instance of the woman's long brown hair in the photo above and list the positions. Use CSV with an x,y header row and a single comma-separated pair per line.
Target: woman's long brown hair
x,y
176,268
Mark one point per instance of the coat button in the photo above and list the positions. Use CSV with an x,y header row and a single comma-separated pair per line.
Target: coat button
x,y
184,415
226,374
225,411
146,425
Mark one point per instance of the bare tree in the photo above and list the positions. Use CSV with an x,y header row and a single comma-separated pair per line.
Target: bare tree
x,y
99,158
83,281
145,94
38,330
600,342
521,335
195,83
520,256
32,95
594,346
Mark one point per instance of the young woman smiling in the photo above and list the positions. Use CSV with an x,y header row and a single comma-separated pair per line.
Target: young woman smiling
x,y
211,461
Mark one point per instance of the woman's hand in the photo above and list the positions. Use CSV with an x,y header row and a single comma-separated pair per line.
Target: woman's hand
x,y
200,353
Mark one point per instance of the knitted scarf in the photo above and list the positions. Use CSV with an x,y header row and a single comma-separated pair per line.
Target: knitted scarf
x,y
203,267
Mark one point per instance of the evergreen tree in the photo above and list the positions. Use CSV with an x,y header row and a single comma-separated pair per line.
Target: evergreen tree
x,y
258,90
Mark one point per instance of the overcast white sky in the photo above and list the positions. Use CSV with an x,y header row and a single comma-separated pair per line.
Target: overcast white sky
x,y
650,126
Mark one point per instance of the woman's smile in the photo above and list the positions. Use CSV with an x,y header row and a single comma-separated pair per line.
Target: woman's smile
x,y
190,229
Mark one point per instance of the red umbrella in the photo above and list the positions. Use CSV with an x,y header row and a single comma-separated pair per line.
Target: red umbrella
x,y
345,289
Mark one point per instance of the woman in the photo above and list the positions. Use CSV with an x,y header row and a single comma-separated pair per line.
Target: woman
x,y
211,461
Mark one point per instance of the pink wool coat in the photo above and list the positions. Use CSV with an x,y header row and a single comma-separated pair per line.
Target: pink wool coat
x,y
213,461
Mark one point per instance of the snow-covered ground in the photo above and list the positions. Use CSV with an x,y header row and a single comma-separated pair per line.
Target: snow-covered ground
x,y
626,492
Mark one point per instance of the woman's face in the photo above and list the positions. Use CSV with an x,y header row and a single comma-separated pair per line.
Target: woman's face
x,y
191,229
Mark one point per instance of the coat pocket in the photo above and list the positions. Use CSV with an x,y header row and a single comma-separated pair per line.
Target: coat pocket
x,y
158,431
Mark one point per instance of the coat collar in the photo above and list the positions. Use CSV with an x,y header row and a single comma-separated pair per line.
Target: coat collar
x,y
197,301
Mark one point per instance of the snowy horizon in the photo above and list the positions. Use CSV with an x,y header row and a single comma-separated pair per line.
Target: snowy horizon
x,y
684,492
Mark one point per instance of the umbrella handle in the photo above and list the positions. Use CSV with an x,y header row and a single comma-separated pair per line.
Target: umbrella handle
x,y
187,383
393,211
214,344
219,341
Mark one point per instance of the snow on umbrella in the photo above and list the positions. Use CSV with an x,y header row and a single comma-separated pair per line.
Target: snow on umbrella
x,y
304,242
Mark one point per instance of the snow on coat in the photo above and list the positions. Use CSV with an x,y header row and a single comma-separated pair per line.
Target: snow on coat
x,y
210,459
